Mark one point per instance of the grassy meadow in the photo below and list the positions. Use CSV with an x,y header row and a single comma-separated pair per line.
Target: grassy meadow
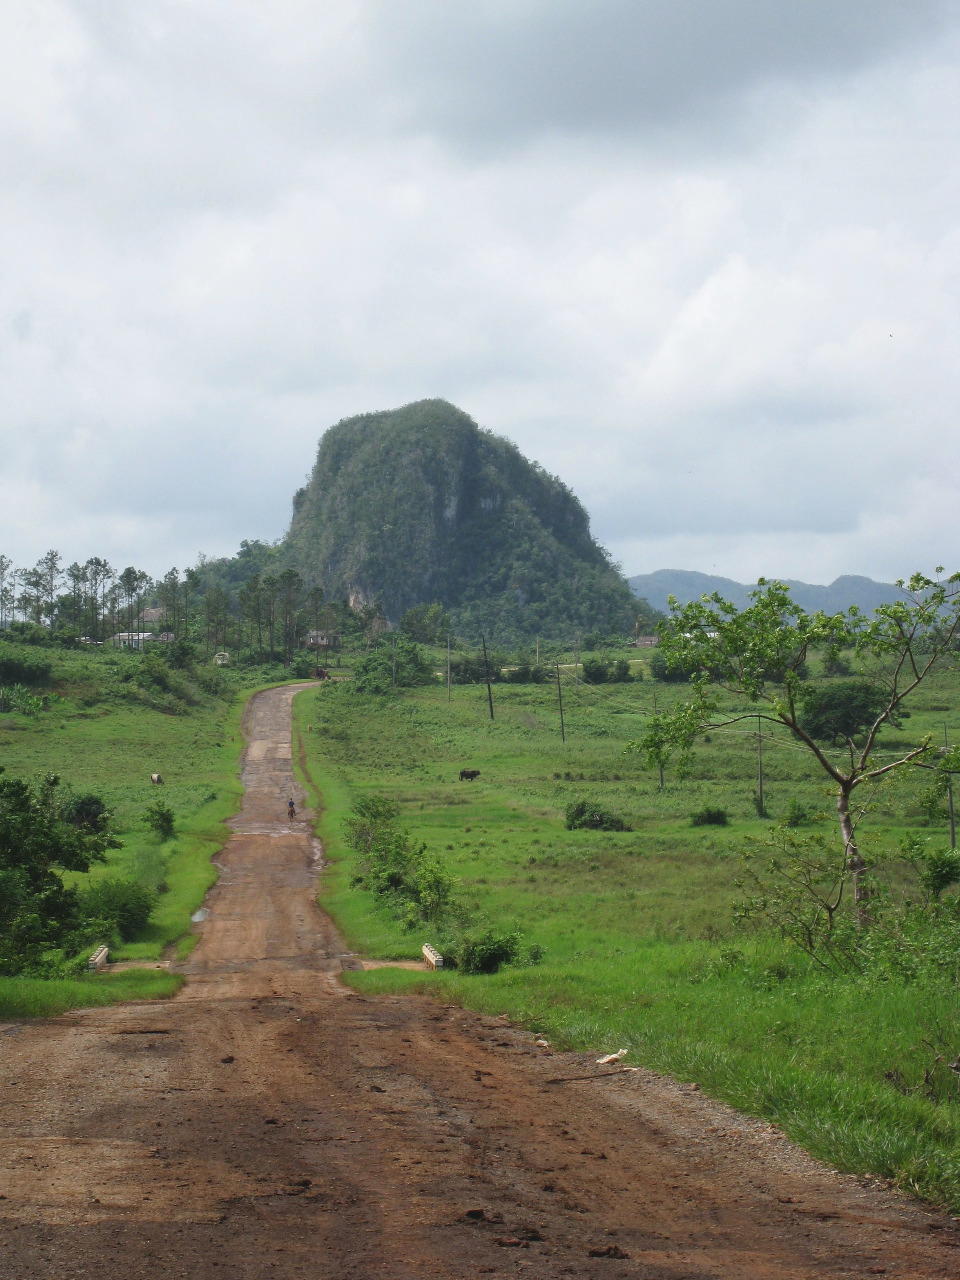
x,y
100,739
640,946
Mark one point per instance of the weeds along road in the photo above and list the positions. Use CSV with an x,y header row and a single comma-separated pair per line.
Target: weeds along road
x,y
268,1122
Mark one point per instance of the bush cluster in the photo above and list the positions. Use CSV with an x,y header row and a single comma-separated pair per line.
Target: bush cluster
x,y
585,815
20,666
708,817
419,889
605,671
121,907
400,665
414,882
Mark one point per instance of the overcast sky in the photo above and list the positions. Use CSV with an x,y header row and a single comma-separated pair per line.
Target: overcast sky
x,y
699,258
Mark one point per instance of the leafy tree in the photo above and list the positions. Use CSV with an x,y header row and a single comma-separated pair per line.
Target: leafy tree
x,y
399,665
40,837
415,882
897,648
291,589
843,711
603,671
426,623
6,593
269,590
99,577
661,670
250,607
123,905
160,819
796,885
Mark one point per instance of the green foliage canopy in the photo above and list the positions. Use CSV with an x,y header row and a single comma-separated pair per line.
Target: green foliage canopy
x,y
39,839
761,653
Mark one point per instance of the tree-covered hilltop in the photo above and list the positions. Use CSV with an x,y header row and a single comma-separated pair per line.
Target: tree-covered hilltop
x,y
420,504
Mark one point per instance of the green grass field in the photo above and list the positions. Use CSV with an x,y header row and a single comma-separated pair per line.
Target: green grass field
x,y
637,929
100,741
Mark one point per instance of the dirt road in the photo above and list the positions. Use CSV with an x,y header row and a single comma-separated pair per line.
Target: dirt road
x,y
268,1122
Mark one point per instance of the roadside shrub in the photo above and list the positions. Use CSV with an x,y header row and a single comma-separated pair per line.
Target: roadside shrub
x,y
160,819
585,815
466,668
708,817
415,883
940,869
936,869
20,667
17,698
797,814
837,666
661,671
27,633
523,673
485,952
596,670
124,905
303,665
212,680
86,811
179,654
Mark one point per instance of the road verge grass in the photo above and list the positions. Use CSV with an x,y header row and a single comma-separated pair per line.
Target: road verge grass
x,y
640,952
112,749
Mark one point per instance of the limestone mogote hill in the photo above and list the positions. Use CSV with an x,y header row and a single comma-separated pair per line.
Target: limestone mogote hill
x,y
420,504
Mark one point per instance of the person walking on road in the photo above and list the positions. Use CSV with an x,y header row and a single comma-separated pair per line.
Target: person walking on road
x,y
291,809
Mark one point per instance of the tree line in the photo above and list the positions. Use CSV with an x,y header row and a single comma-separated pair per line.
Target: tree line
x,y
266,618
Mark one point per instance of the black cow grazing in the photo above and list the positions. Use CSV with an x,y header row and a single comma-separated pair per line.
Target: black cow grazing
x,y
155,778
468,775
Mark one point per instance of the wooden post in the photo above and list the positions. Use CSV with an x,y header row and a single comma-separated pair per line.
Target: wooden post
x,y
953,827
763,811
563,735
486,670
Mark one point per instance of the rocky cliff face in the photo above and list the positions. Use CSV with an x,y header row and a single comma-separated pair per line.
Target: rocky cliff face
x,y
419,504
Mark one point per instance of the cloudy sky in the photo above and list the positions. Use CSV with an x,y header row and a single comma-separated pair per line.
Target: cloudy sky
x,y
700,258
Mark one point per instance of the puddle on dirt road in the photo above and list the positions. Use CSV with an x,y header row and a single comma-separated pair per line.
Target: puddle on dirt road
x,y
203,913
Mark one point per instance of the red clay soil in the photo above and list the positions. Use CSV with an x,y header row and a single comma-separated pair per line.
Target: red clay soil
x,y
269,1122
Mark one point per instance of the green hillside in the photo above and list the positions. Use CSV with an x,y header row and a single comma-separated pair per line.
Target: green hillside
x,y
420,504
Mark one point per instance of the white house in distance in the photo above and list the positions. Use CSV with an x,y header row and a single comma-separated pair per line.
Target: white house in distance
x,y
322,640
132,639
137,639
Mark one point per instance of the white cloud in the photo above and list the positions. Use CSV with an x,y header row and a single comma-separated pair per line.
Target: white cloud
x,y
709,277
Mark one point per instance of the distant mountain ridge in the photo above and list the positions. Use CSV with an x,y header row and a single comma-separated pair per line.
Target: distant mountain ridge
x,y
687,585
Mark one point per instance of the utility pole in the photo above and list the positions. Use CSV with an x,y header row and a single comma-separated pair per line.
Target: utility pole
x,y
538,651
563,735
486,671
762,810
953,829
448,666
394,661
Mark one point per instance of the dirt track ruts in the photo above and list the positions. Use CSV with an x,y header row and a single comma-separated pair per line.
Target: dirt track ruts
x,y
269,1122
